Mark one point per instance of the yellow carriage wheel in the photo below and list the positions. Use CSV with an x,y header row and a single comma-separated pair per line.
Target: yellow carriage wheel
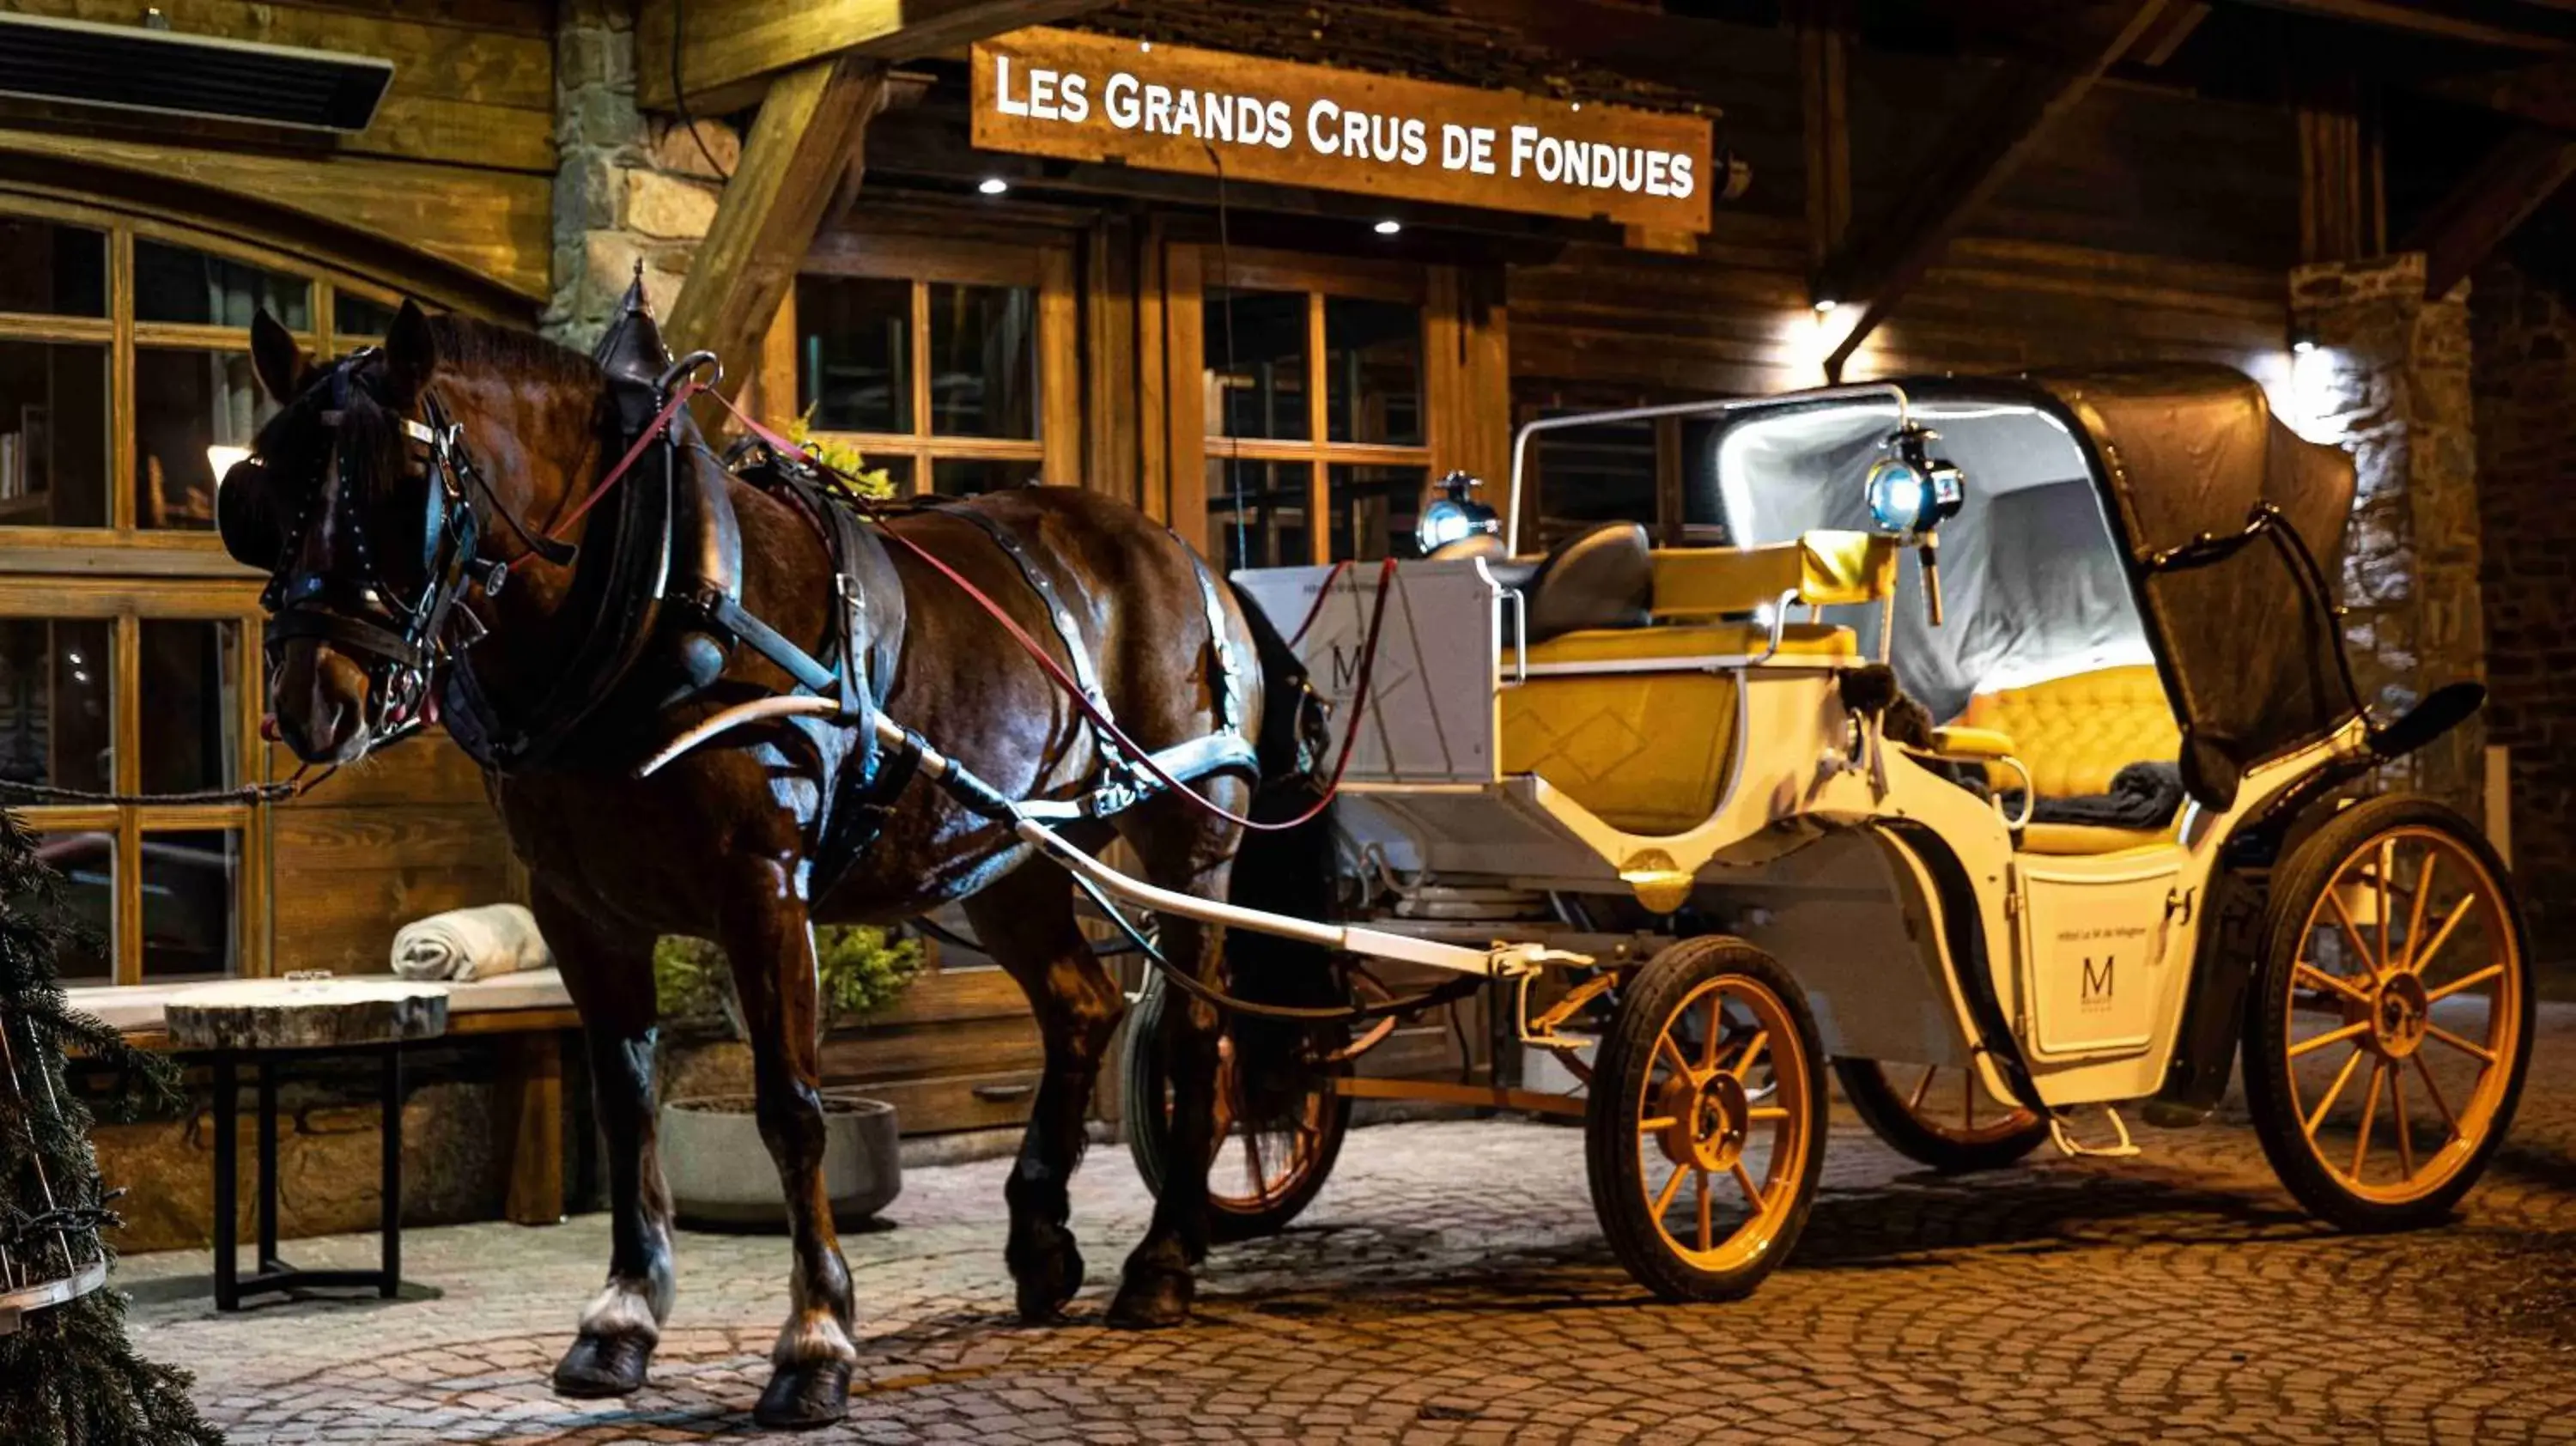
x,y
1705,1135
2392,1017
1941,1116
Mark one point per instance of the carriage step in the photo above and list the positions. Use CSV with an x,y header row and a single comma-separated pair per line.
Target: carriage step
x,y
2065,1137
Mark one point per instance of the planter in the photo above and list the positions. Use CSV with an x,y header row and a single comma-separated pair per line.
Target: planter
x,y
721,1176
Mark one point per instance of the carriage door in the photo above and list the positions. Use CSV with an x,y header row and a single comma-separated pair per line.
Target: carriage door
x,y
2103,953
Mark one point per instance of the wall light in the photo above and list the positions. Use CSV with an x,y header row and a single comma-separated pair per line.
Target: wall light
x,y
1388,227
993,185
2303,346
1825,305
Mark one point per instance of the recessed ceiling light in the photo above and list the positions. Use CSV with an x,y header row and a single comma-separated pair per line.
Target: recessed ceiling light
x,y
993,186
1389,227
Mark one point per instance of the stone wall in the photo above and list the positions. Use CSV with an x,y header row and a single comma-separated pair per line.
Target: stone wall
x,y
2525,381
629,189
2389,380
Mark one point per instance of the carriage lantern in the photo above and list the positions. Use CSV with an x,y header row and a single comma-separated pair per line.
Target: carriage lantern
x,y
1911,493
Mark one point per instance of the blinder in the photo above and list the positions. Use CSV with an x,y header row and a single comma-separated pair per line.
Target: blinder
x,y
399,629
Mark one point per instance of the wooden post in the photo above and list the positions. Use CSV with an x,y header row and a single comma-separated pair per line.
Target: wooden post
x,y
1824,70
530,1109
808,135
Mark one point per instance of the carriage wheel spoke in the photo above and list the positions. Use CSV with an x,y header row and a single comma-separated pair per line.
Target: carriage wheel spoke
x,y
2387,866
1764,1114
1752,1192
2397,1117
2415,964
2436,1031
2334,1091
1707,1217
1656,1124
2344,987
1922,1087
2351,930
2319,1041
1968,1098
2423,897
2369,1115
1252,1165
1664,1046
2465,981
1752,1052
2425,1071
1672,1187
1716,1027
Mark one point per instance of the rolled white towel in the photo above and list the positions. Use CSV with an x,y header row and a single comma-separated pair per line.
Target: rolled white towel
x,y
464,944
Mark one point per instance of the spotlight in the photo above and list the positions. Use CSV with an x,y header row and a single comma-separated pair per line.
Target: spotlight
x,y
993,186
1825,306
2303,346
1389,227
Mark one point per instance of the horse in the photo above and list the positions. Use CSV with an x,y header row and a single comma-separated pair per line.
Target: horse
x,y
723,843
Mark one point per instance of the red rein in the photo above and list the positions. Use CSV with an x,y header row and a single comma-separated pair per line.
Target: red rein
x,y
1099,717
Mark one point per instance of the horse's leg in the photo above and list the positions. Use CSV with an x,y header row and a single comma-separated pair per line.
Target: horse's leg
x,y
609,974
1182,850
1026,923
770,939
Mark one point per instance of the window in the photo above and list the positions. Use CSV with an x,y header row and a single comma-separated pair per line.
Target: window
x,y
129,643
1627,471
949,365
125,376
1316,393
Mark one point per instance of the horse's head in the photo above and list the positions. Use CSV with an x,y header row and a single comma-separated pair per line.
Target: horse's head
x,y
352,502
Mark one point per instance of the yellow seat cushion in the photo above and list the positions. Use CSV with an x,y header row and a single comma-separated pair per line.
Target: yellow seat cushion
x,y
2090,838
1957,742
1824,568
1681,643
2076,732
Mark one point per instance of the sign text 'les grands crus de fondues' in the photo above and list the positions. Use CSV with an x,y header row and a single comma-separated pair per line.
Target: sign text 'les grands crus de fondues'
x,y
1171,108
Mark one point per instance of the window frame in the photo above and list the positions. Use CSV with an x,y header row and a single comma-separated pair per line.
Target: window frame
x,y
1190,268
127,607
924,262
122,544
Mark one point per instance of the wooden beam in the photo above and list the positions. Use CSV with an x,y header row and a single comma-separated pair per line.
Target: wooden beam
x,y
1883,260
2176,26
728,46
1648,43
2415,18
1824,74
2466,226
2336,215
804,143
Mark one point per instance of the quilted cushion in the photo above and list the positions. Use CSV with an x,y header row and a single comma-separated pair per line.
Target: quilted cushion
x,y
2076,732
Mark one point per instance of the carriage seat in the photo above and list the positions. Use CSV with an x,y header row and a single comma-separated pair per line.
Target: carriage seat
x,y
2075,734
1600,578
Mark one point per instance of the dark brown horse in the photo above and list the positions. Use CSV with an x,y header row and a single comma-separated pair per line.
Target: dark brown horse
x,y
722,843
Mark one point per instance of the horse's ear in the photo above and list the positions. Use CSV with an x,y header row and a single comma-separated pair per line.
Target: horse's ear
x,y
411,353
282,365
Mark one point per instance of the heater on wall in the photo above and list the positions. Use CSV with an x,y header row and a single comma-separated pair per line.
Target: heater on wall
x,y
136,68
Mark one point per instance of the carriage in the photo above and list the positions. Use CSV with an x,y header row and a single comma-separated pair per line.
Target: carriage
x,y
1999,747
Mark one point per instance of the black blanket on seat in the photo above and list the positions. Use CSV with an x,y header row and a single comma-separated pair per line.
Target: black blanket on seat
x,y
2142,795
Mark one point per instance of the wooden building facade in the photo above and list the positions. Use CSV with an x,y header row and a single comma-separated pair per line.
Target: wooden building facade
x,y
1277,367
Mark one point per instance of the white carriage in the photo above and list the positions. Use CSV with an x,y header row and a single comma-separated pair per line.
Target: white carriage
x,y
2046,838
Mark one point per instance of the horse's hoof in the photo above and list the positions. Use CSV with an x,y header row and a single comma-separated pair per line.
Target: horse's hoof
x,y
603,1366
1047,1276
1153,1300
801,1397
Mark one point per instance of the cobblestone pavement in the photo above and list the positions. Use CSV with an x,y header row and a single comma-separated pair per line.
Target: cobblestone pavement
x,y
1450,1285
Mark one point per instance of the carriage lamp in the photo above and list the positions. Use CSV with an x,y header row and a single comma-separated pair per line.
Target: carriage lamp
x,y
1911,493
1454,514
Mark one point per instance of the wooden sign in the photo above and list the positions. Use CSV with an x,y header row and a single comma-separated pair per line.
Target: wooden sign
x,y
1089,97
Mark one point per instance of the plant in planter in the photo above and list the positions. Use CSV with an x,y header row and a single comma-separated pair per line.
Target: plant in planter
x,y
713,1158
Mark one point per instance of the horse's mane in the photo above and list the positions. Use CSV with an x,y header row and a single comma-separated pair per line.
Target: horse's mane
x,y
464,341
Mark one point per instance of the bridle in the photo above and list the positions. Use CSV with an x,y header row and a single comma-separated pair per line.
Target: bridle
x,y
404,637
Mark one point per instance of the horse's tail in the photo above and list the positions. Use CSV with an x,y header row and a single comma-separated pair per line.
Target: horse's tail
x,y
1283,872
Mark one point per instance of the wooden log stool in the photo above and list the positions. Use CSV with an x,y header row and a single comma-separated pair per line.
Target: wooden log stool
x,y
265,1022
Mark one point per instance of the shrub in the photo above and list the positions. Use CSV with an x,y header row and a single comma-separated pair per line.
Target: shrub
x,y
862,972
